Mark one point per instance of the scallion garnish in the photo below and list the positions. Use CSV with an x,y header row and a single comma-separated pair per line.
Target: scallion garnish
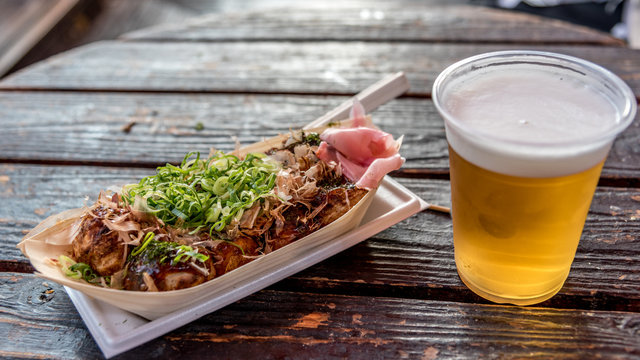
x,y
201,193
79,271
145,242
165,251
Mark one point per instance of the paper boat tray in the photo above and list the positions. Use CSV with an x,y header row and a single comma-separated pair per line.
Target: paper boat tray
x,y
153,305
116,330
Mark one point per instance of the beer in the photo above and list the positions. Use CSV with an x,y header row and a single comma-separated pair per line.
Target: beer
x,y
516,236
528,135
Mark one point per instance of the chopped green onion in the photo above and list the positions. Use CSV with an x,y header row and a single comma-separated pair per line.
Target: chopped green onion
x,y
221,185
85,270
79,271
145,242
205,193
161,251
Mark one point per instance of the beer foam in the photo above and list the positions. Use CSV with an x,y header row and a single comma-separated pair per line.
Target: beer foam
x,y
529,120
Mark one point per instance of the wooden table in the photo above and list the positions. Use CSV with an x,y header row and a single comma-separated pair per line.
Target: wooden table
x,y
108,113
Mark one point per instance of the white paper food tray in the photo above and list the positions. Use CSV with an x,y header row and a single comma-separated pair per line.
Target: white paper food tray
x,y
116,330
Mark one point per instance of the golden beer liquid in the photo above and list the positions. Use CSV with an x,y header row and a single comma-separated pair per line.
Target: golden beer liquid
x,y
515,237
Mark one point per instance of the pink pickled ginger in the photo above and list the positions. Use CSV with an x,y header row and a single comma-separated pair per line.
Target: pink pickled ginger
x,y
365,154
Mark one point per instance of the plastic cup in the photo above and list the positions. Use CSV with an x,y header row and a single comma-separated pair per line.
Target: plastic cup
x,y
528,133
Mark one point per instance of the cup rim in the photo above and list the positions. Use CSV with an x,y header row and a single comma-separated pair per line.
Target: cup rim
x,y
627,114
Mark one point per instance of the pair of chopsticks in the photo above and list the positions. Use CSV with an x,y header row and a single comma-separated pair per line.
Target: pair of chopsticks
x,y
375,95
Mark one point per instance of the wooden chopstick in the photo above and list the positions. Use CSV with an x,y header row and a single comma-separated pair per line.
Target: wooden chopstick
x,y
439,208
375,95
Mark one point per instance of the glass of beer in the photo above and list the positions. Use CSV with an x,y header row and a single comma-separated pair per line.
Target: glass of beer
x,y
528,133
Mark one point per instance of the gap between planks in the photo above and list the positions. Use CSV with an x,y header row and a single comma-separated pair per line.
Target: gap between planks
x,y
407,95
409,173
455,294
369,40
28,89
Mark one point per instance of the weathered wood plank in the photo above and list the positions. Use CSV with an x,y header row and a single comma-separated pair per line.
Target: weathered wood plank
x,y
274,67
120,16
89,128
161,128
412,259
395,21
80,127
274,324
39,321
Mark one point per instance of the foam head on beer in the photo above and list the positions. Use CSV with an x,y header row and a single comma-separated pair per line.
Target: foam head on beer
x,y
528,133
555,119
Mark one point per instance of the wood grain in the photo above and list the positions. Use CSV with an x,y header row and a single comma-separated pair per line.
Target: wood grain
x,y
396,21
161,128
274,67
413,259
152,129
275,324
95,20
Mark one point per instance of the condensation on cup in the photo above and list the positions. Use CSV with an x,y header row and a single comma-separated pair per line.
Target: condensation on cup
x,y
528,133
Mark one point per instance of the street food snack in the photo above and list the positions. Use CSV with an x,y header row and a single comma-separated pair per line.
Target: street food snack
x,y
192,223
